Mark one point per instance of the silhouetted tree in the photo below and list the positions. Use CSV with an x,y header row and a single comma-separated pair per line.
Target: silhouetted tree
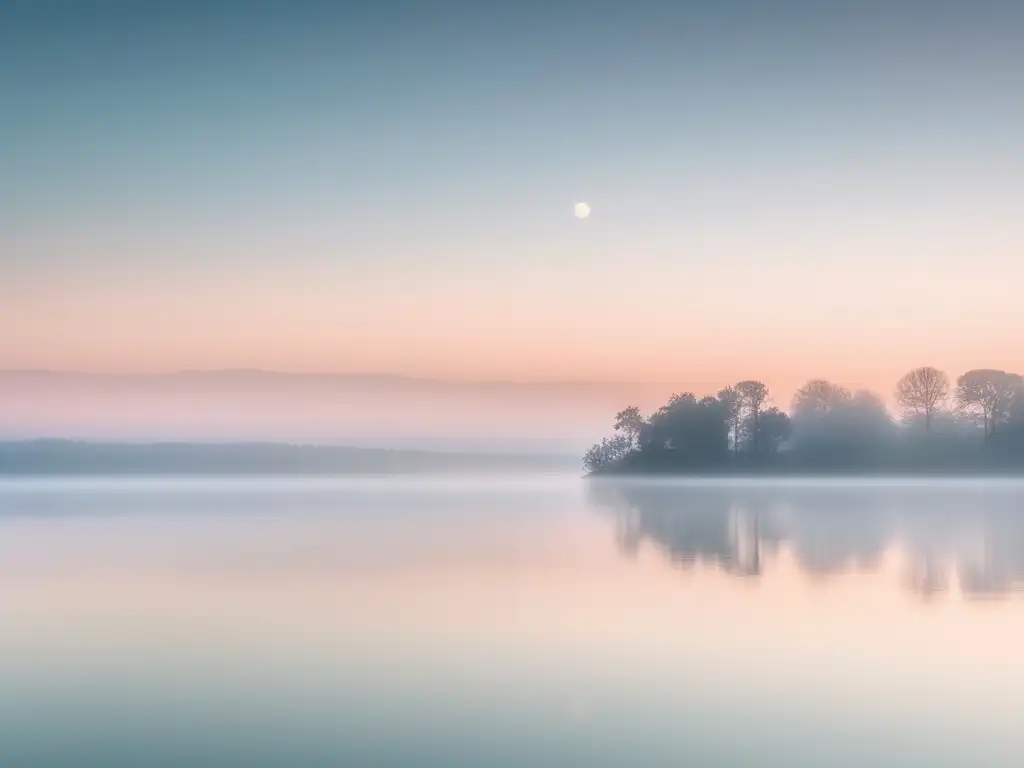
x,y
693,432
1013,434
775,429
820,396
922,391
631,423
837,428
987,394
733,405
870,420
753,396
606,453
679,399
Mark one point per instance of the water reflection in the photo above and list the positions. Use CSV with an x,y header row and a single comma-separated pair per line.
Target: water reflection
x,y
969,535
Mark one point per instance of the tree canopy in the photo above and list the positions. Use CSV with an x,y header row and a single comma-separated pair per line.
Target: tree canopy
x,y
977,426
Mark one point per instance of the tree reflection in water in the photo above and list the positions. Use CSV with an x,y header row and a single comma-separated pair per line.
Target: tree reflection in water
x,y
971,533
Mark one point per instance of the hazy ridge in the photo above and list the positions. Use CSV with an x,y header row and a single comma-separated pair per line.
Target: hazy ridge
x,y
70,457
257,406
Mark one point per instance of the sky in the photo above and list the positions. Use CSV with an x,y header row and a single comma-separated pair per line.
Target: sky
x,y
778,190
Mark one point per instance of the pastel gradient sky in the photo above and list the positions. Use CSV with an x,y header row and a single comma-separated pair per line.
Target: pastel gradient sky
x,y
779,190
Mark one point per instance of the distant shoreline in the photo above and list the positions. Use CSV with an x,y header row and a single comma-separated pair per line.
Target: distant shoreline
x,y
768,472
57,457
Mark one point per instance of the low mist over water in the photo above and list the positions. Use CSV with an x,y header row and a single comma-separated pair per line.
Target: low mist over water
x,y
511,620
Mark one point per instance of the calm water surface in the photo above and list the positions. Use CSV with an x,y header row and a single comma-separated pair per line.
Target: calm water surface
x,y
511,622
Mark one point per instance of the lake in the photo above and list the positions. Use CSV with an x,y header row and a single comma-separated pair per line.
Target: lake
x,y
511,621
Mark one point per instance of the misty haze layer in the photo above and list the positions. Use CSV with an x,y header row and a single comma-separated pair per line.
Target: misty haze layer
x,y
369,411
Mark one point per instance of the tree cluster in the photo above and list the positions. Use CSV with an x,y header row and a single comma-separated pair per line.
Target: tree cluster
x,y
974,423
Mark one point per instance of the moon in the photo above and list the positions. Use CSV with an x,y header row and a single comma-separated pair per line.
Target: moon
x,y
581,210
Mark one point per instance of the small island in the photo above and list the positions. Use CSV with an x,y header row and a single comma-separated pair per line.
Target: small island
x,y
972,426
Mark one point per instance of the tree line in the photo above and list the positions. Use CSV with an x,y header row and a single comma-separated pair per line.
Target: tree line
x,y
976,422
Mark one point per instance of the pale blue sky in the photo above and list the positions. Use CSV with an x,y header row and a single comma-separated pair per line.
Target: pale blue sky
x,y
327,186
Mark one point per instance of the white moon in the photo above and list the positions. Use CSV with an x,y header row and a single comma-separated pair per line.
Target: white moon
x,y
582,210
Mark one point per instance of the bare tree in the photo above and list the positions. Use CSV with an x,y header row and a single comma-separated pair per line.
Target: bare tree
x,y
922,391
989,394
820,396
753,396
